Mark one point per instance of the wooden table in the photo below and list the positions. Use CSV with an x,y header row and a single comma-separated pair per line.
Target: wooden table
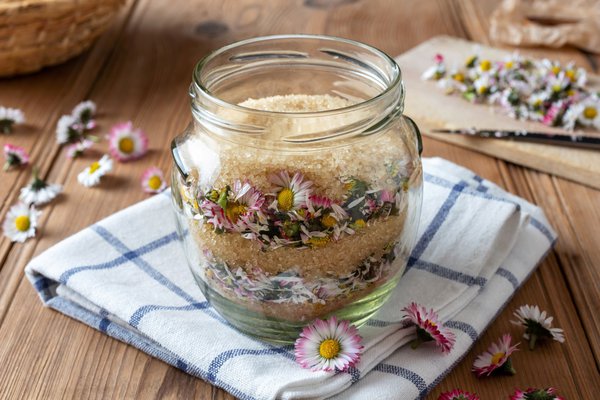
x,y
140,70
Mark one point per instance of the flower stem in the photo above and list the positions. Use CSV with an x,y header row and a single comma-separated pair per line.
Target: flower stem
x,y
416,343
532,340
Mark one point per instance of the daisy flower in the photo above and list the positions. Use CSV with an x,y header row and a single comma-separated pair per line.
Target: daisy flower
x,y
84,112
458,394
38,191
328,345
10,117
126,143
536,394
496,358
292,193
15,156
20,222
436,71
153,180
77,149
429,328
92,174
68,130
538,325
590,112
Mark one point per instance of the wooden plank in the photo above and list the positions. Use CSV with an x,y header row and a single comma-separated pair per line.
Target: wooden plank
x,y
74,361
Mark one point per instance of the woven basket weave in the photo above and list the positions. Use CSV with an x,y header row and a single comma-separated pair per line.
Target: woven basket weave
x,y
39,33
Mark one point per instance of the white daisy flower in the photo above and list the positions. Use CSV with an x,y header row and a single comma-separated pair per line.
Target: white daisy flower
x,y
483,84
84,112
92,174
538,325
589,114
39,192
292,193
68,129
126,143
153,180
20,222
10,117
15,156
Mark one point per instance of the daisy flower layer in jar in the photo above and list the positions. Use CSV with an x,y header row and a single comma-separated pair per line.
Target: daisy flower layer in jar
x,y
153,180
20,222
91,175
126,143
10,117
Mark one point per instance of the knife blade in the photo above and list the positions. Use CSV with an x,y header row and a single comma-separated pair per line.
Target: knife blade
x,y
574,140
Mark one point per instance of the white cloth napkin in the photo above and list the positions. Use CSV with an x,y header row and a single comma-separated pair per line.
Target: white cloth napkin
x,y
127,276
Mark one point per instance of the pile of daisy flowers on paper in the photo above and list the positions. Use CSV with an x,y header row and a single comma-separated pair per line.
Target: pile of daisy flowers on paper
x,y
125,143
538,90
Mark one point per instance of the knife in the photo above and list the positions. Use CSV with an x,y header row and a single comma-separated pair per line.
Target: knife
x,y
574,140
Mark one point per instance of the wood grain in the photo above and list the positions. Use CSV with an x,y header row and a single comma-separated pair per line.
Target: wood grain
x,y
140,70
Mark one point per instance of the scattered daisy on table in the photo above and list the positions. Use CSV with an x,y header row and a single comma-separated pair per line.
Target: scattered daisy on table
x,y
91,175
458,394
68,130
20,222
153,180
78,148
84,113
126,143
429,328
538,325
15,156
328,345
10,117
536,394
496,359
39,192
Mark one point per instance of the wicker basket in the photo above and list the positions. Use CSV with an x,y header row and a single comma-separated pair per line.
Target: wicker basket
x,y
38,33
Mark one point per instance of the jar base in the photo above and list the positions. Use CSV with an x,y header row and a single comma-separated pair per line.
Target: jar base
x,y
280,331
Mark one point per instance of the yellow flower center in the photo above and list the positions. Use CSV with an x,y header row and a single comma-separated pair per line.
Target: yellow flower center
x,y
482,89
234,210
154,182
349,185
470,60
328,221
458,77
22,223
94,167
571,92
318,241
496,358
570,74
359,223
285,199
126,145
329,348
556,88
555,70
590,112
537,103
509,65
485,65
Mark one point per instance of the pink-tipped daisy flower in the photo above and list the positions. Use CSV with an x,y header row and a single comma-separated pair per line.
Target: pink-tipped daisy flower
x,y
153,180
458,394
536,394
126,143
77,149
15,156
496,359
538,325
429,328
328,345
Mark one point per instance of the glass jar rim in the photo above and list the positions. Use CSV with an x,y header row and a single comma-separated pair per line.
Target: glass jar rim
x,y
395,81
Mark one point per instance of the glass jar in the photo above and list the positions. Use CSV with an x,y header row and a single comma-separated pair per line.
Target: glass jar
x,y
297,187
